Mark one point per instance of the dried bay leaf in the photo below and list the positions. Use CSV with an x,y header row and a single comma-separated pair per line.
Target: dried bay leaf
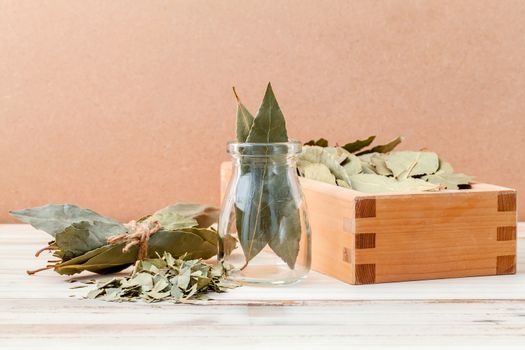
x,y
388,147
252,214
450,181
316,154
379,163
204,215
301,165
311,154
372,183
194,242
352,165
320,142
339,154
244,120
269,125
80,238
319,172
405,164
358,145
55,218
173,221
368,168
108,259
343,183
366,163
284,239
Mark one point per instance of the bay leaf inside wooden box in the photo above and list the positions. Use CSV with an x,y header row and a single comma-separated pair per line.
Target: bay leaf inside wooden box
x,y
361,238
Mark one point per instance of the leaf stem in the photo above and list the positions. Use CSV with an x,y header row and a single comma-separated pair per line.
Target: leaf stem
x,y
40,251
236,96
32,272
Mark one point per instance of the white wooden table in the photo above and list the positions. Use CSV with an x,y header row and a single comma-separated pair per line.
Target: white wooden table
x,y
41,312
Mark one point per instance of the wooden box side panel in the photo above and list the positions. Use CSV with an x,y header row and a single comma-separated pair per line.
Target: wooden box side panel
x,y
332,221
439,235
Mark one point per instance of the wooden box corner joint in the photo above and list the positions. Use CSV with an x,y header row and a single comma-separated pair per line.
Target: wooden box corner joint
x,y
506,264
365,273
365,207
507,201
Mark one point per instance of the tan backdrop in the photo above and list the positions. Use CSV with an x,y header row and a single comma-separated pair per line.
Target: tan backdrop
x,y
126,106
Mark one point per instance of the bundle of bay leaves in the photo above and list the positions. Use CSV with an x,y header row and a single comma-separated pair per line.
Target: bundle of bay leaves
x,y
266,213
378,169
80,236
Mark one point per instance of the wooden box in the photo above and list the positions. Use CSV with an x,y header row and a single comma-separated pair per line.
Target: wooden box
x,y
361,238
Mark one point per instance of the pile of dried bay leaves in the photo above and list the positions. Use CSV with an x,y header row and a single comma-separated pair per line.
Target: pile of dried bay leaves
x,y
172,268
377,169
161,279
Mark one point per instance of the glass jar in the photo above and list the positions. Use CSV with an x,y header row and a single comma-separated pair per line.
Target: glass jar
x,y
263,225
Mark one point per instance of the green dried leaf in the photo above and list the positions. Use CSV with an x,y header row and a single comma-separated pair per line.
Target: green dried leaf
x,y
269,125
285,233
142,279
82,237
244,120
352,165
173,221
388,147
55,218
316,154
379,163
301,165
176,292
405,164
371,183
448,180
321,143
184,279
343,183
92,294
319,172
106,259
172,215
196,242
339,154
358,145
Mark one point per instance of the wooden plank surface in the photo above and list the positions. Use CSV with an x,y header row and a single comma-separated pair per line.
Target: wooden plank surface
x,y
38,312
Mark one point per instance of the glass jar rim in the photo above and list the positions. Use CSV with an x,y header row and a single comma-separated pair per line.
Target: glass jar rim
x,y
292,147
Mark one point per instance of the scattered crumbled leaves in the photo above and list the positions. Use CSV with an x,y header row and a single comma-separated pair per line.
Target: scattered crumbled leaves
x,y
164,278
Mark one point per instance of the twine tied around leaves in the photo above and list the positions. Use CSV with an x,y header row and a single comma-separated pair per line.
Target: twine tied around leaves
x,y
138,233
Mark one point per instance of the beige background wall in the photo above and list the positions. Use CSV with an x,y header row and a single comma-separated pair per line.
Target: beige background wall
x,y
126,106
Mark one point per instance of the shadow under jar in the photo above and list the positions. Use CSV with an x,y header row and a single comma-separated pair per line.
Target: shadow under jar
x,y
263,226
